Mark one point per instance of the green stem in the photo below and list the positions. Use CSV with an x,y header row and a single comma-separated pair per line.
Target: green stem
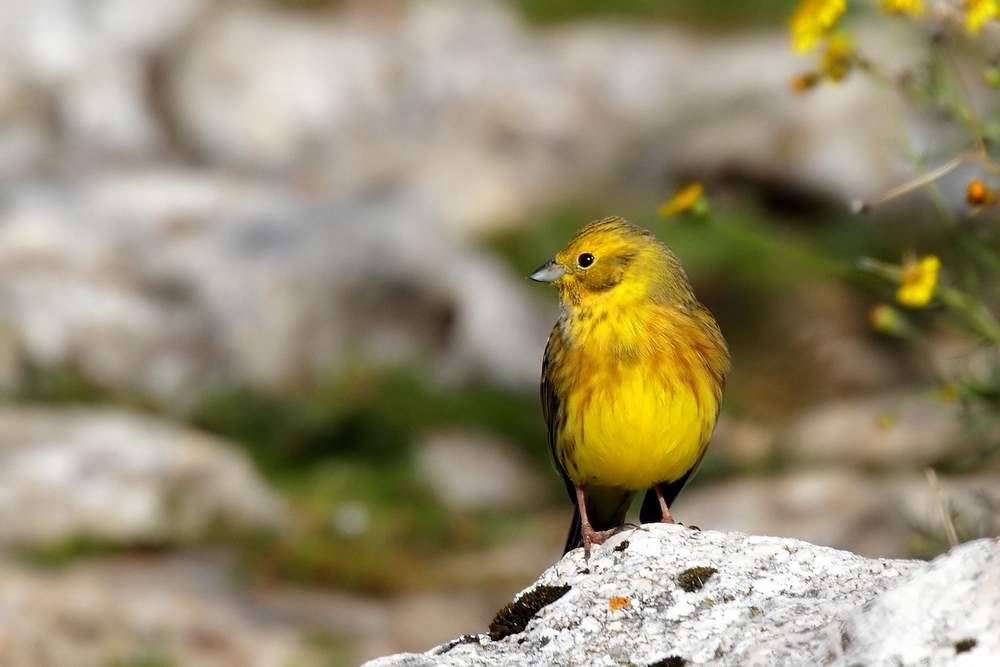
x,y
768,244
975,313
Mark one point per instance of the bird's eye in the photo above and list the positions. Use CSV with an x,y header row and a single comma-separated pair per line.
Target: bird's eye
x,y
585,260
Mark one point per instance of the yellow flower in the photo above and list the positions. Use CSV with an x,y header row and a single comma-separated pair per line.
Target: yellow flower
x,y
683,200
905,7
838,58
918,280
812,21
978,13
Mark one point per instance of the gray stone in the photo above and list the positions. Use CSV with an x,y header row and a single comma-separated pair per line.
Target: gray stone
x,y
868,514
840,508
118,612
269,91
760,601
169,282
884,430
89,61
105,110
471,471
743,443
117,476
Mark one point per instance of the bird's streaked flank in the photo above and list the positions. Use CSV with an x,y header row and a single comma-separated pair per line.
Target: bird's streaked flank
x,y
632,376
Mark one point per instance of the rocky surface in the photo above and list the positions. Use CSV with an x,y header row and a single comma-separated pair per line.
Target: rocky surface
x,y
135,612
945,614
667,595
111,475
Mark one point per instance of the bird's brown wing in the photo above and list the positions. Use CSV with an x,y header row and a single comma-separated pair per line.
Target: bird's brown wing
x,y
552,404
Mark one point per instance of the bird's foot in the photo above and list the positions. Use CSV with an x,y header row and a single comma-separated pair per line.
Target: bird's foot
x,y
591,536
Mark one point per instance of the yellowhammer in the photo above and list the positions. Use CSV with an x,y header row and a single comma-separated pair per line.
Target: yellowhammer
x,y
632,376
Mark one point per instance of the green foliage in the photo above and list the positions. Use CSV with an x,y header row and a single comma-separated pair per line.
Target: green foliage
x,y
707,13
59,553
307,6
368,414
62,385
394,542
153,659
332,651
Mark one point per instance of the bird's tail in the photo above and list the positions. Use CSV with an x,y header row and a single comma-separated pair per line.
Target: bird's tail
x,y
575,537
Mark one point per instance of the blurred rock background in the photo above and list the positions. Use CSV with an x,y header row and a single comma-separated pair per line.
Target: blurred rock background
x,y
268,359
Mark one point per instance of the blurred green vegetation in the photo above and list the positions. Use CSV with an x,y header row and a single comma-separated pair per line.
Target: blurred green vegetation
x,y
347,444
153,659
398,535
333,652
366,413
60,386
57,553
705,13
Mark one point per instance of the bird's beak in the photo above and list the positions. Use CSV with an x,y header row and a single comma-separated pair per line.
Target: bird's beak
x,y
548,272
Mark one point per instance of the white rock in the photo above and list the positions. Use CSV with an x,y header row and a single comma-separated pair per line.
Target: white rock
x,y
926,618
122,477
770,601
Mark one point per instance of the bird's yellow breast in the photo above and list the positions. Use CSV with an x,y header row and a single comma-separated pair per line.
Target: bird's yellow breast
x,y
640,407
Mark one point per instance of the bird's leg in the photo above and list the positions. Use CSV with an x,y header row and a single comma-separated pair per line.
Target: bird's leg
x,y
590,536
665,511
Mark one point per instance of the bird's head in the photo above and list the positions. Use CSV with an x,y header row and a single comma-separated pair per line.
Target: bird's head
x,y
614,257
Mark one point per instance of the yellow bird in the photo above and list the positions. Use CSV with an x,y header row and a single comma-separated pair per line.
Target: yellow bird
x,y
632,377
